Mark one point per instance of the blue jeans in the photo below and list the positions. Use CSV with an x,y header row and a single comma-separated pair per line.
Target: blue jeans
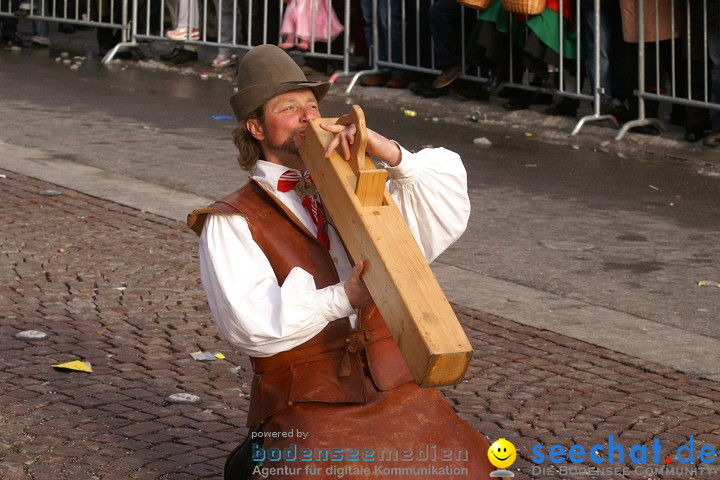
x,y
445,27
395,28
226,23
588,17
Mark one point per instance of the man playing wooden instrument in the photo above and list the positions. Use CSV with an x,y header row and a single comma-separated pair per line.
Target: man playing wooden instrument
x,y
332,396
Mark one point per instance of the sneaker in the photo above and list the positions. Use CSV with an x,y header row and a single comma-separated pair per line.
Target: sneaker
x,y
448,76
224,60
375,79
174,53
611,106
23,10
712,140
184,56
398,80
183,34
41,40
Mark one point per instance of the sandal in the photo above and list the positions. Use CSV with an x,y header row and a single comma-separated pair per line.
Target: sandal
x,y
712,140
288,44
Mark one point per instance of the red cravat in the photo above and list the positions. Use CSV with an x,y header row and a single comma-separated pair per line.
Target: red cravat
x,y
305,189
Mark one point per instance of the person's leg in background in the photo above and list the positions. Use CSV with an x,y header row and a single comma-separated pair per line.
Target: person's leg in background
x,y
182,52
444,17
394,30
188,21
696,118
620,84
9,24
389,24
107,38
588,16
381,78
41,28
382,18
65,9
613,79
230,26
148,25
713,140
651,106
253,22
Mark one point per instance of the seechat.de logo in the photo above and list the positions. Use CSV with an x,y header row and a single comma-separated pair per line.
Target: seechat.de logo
x,y
612,458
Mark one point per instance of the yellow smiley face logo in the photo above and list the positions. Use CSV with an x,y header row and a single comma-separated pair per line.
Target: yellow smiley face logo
x,y
502,453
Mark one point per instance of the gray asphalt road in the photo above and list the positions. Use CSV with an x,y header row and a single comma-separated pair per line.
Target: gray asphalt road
x,y
605,247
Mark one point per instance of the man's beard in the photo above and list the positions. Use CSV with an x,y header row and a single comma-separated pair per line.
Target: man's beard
x,y
288,146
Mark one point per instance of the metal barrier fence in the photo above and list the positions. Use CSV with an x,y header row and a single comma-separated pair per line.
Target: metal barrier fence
x,y
680,94
405,43
417,55
239,25
696,92
107,14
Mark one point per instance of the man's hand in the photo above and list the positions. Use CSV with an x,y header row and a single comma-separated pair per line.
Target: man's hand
x,y
344,136
355,288
384,149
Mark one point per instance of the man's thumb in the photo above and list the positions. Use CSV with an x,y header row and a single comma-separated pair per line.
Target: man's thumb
x,y
358,268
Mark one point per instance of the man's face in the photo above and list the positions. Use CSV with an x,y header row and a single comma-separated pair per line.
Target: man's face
x,y
286,119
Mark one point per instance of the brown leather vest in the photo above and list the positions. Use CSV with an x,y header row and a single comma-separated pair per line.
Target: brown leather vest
x,y
334,365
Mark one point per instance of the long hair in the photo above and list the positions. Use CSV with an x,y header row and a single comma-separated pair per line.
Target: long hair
x,y
248,147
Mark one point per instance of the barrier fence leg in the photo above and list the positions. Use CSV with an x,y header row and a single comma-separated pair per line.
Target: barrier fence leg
x,y
640,92
346,49
128,32
596,116
375,56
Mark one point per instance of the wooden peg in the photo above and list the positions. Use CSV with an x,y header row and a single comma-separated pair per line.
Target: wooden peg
x,y
358,158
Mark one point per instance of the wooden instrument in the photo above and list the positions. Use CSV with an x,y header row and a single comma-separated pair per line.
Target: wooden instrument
x,y
396,273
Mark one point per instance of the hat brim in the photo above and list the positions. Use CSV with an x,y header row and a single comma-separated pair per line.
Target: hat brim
x,y
248,99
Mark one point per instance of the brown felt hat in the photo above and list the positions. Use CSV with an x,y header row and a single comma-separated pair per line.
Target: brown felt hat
x,y
265,72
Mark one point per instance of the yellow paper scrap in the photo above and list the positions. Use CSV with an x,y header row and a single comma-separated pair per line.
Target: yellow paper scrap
x,y
410,113
76,365
207,356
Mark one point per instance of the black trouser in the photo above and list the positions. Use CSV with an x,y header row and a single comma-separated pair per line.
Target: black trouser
x,y
653,83
9,24
240,464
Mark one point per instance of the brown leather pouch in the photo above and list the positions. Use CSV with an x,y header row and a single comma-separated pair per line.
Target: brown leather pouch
x,y
387,367
319,382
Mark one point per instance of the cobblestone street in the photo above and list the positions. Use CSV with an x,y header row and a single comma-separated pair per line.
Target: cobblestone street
x,y
121,289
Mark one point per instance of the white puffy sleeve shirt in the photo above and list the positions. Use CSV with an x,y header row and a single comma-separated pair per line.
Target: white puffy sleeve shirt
x,y
260,317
